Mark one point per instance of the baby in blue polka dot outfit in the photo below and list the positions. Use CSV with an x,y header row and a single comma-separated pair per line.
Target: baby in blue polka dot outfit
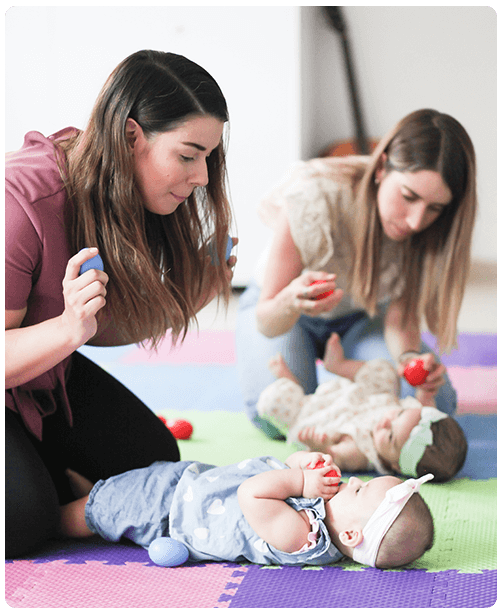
x,y
259,510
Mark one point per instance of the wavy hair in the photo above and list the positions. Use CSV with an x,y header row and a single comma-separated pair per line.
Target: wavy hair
x,y
436,261
156,264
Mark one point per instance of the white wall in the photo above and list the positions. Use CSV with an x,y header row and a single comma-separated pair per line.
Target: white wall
x,y
408,58
281,70
57,59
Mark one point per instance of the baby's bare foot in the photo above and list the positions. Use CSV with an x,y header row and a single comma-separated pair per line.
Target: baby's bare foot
x,y
335,362
280,369
334,354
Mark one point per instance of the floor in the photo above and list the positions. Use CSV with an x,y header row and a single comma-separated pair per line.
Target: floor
x,y
478,313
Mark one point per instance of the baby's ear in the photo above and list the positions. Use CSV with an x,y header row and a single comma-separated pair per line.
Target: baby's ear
x,y
351,538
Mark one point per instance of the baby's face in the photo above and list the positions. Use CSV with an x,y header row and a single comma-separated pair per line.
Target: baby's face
x,y
393,431
356,501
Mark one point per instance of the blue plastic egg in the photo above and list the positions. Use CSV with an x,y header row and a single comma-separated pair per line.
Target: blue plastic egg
x,y
166,551
229,247
213,254
93,263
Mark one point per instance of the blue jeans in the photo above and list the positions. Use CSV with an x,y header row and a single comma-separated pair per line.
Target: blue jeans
x,y
362,338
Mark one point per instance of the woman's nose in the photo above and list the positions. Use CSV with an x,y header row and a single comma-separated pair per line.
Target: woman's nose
x,y
200,176
416,216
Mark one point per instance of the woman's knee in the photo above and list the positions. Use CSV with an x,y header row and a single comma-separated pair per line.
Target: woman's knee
x,y
32,516
32,511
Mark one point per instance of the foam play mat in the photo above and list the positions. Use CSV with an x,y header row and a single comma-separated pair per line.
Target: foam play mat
x,y
460,571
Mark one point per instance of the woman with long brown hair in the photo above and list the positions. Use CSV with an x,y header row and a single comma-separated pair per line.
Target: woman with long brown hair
x,y
143,186
389,235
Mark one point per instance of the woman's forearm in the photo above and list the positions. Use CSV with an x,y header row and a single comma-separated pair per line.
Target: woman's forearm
x,y
277,315
32,351
277,310
401,334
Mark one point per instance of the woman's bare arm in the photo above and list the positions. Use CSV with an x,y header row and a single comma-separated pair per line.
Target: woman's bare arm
x,y
286,294
33,350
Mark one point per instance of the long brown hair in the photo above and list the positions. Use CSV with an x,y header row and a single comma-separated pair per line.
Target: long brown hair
x,y
156,264
436,261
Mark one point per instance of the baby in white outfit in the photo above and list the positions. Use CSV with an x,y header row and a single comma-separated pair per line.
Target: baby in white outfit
x,y
359,419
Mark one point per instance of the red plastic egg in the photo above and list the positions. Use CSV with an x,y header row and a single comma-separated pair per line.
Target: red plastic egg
x,y
321,295
415,373
320,464
180,428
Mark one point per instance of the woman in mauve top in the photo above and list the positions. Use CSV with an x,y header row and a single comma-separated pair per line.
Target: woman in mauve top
x,y
144,186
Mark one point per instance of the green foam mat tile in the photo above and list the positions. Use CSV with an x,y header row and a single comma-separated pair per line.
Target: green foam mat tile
x,y
222,438
465,518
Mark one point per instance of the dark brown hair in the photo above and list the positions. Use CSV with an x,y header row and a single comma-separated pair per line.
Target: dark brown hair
x,y
409,537
445,457
156,264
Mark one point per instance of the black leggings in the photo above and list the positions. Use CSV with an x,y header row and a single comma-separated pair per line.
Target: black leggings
x,y
113,432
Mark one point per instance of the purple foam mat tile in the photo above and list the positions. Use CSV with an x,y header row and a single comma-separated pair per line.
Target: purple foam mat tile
x,y
456,590
333,587
233,585
473,349
94,549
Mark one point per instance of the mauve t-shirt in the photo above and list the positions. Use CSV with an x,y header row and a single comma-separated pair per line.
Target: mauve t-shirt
x,y
36,256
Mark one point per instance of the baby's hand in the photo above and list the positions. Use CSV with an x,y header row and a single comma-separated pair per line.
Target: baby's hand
x,y
321,476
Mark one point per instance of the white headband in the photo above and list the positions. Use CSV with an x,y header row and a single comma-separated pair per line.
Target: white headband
x,y
383,517
420,436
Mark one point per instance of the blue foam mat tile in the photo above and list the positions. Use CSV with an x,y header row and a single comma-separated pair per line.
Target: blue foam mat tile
x,y
183,387
481,434
478,427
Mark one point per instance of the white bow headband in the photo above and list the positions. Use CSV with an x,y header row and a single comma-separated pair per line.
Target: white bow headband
x,y
378,524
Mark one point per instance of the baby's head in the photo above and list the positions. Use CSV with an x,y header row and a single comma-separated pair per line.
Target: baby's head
x,y
383,522
444,456
415,441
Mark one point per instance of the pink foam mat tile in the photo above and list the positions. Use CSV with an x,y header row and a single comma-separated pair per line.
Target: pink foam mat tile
x,y
476,389
206,347
20,578
133,585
